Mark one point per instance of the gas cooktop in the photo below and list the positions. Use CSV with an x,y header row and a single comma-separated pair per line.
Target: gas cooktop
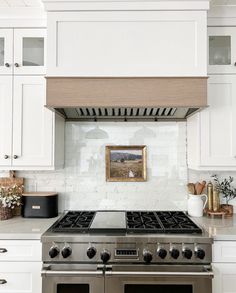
x,y
129,222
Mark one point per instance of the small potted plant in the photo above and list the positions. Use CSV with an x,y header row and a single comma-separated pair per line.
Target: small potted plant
x,y
10,198
227,190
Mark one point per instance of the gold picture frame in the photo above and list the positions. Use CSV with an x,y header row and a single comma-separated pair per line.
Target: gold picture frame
x,y
126,163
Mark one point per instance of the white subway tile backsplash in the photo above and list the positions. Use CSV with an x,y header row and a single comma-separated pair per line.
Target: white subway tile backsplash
x,y
82,184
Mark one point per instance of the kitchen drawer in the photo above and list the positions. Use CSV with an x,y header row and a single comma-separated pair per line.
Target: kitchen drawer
x,y
224,251
20,250
20,277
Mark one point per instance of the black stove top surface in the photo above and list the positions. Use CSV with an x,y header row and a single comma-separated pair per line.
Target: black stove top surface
x,y
175,222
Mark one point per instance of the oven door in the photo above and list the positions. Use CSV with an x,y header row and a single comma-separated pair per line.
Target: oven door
x,y
62,278
158,278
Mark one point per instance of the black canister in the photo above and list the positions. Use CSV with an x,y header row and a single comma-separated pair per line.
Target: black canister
x,y
39,205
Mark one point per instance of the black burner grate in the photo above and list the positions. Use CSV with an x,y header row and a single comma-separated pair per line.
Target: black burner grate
x,y
74,221
160,222
138,222
177,222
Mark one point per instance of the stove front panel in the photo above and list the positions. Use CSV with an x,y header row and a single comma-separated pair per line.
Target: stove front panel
x,y
130,252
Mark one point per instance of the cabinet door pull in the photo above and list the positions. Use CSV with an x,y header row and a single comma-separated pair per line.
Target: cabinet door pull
x,y
6,157
17,65
7,64
15,157
2,281
3,250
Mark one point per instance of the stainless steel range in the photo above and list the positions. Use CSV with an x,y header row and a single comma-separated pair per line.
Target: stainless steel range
x,y
126,252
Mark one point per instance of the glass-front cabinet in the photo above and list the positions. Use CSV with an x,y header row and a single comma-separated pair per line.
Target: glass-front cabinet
x,y
22,51
221,50
29,51
6,55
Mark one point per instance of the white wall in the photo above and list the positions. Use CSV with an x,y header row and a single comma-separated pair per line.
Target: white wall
x,y
82,183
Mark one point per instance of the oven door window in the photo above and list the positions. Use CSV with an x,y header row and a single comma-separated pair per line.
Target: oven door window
x,y
158,288
73,288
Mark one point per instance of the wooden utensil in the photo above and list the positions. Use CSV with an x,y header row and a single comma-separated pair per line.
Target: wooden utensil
x,y
199,187
203,185
11,181
191,188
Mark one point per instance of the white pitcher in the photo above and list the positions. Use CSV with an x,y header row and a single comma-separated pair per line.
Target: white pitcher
x,y
196,205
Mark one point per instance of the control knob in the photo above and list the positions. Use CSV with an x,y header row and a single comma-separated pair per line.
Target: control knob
x,y
91,252
200,253
187,253
53,251
105,256
162,253
147,256
174,253
66,251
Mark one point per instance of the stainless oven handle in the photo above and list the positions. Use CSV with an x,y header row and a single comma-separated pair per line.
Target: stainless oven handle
x,y
149,274
71,273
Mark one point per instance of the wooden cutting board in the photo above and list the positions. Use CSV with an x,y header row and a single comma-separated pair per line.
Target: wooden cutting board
x,y
11,181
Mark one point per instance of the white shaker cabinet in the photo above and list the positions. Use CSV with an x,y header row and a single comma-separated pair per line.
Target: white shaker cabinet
x,y
224,266
31,138
22,51
127,43
222,50
32,123
211,133
5,119
20,266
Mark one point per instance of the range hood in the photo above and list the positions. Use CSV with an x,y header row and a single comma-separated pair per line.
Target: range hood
x,y
126,98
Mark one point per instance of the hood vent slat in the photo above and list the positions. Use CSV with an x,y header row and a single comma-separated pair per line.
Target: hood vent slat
x,y
127,114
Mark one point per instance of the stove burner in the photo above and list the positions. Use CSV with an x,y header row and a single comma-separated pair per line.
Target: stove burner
x,y
138,222
74,221
177,222
160,222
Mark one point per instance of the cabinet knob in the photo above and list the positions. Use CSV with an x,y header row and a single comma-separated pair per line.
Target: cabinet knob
x,y
7,64
2,281
17,65
3,250
234,63
15,157
6,157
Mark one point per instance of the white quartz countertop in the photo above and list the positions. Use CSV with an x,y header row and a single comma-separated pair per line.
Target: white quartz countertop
x,y
24,228
32,229
218,228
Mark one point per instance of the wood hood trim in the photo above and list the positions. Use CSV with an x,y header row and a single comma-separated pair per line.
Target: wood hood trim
x,y
70,92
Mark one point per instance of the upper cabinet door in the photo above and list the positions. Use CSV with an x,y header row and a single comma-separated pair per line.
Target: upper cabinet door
x,y
221,50
218,136
6,51
29,51
32,124
5,120
121,43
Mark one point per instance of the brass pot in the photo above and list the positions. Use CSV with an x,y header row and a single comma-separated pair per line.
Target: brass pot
x,y
229,209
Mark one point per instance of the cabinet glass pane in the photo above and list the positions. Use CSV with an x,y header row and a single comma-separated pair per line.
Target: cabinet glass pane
x,y
1,51
219,50
33,51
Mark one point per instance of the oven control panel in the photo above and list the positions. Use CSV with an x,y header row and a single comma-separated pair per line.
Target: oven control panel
x,y
139,252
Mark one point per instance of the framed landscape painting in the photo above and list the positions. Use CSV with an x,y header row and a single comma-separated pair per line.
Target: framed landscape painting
x,y
126,163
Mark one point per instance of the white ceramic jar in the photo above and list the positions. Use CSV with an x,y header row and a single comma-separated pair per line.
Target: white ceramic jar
x,y
196,205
